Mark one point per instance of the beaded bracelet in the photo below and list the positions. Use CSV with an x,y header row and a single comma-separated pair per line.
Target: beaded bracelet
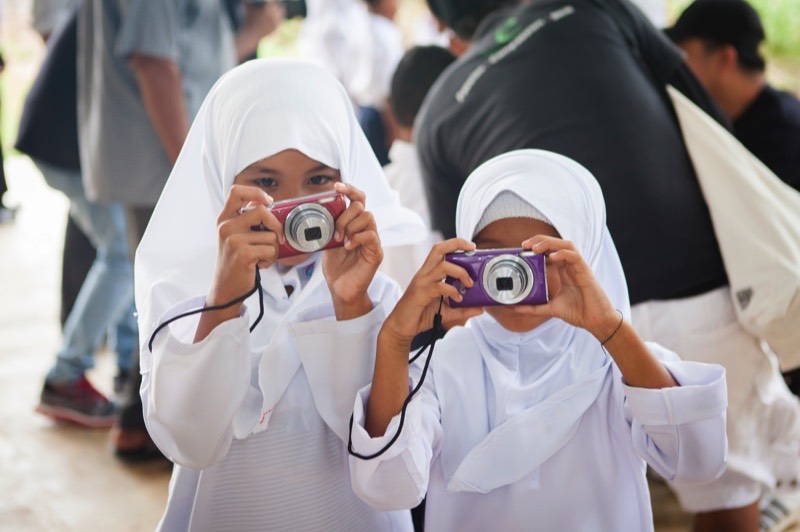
x,y
621,319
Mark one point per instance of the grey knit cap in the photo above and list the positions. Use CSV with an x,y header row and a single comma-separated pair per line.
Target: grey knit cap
x,y
509,205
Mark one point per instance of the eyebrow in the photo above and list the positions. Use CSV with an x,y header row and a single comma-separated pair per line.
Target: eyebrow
x,y
320,168
268,170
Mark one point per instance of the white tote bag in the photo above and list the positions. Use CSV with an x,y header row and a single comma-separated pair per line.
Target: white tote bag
x,y
756,219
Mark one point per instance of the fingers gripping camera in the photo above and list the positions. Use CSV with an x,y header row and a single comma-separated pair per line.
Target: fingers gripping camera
x,y
309,222
502,277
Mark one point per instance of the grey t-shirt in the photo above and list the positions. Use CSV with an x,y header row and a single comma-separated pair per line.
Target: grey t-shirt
x,y
121,155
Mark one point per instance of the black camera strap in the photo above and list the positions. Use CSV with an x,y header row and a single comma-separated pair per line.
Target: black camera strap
x,y
431,343
240,299
435,334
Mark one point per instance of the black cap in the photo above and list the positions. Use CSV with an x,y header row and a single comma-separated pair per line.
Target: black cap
x,y
733,22
464,16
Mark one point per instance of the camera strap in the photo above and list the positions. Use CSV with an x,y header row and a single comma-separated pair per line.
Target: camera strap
x,y
240,299
429,345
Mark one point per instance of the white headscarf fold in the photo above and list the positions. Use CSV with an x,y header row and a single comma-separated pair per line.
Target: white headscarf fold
x,y
254,111
538,384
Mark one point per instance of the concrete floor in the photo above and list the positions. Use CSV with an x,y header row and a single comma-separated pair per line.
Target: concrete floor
x,y
53,477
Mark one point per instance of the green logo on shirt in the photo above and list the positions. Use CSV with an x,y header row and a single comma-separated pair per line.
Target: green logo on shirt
x,y
507,31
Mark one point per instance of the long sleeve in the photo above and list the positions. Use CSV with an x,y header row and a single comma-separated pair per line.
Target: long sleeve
x,y
680,431
398,479
191,392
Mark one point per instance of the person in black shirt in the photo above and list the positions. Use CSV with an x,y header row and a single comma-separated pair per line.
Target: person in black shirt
x,y
721,39
587,78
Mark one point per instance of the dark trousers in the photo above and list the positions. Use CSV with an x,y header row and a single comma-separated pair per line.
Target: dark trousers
x,y
77,258
131,415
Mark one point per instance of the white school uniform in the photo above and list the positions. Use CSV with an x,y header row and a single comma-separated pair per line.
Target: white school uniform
x,y
257,422
518,430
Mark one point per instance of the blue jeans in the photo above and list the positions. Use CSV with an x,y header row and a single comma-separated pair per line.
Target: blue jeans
x,y
104,306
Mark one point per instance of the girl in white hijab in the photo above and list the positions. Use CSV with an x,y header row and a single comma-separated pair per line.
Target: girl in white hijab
x,y
255,422
540,416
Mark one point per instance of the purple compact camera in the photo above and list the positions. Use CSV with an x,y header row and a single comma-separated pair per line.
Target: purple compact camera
x,y
513,276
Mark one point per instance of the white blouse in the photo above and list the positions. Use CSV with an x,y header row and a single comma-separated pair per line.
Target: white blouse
x,y
594,481
288,474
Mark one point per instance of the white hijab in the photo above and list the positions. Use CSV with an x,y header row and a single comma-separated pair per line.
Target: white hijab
x,y
254,111
537,384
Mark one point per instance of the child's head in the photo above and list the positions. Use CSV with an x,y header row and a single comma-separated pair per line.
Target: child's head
x,y
526,193
506,223
280,113
287,131
416,73
281,124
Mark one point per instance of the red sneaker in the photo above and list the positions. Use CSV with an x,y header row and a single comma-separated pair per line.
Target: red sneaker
x,y
78,403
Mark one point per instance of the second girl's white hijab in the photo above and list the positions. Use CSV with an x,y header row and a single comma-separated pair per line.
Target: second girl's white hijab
x,y
541,382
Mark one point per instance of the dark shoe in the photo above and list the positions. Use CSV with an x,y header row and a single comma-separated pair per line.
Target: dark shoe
x,y
121,382
76,402
134,446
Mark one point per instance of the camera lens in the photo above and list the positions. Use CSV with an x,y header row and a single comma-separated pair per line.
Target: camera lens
x,y
507,279
313,233
309,227
505,283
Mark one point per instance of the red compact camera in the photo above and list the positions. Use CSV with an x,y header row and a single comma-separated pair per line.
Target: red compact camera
x,y
309,222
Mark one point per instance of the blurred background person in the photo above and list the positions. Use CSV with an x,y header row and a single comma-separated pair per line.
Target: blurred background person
x,y
721,39
79,252
418,70
48,133
378,50
143,70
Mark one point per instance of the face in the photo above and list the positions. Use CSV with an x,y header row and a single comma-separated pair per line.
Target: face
x,y
709,66
510,233
286,175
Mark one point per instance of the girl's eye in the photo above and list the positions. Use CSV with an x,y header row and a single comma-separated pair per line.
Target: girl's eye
x,y
265,182
320,180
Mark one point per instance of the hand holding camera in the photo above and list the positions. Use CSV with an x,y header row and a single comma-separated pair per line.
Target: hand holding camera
x,y
415,311
350,268
575,295
240,249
